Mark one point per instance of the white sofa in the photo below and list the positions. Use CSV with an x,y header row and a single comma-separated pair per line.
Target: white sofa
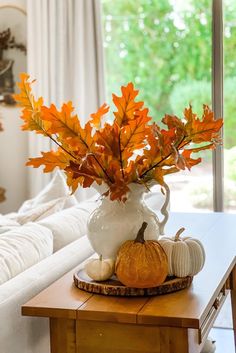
x,y
38,245
20,334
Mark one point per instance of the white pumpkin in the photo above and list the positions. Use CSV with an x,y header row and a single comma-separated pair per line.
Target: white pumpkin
x,y
100,269
209,346
186,256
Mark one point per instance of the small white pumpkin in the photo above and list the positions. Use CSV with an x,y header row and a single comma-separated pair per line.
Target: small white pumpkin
x,y
99,269
209,346
186,256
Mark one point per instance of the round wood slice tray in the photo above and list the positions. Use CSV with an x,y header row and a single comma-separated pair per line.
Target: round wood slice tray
x,y
116,288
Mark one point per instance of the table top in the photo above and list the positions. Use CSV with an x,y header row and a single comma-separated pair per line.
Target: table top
x,y
186,308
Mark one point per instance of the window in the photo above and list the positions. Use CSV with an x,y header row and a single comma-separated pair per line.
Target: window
x,y
229,105
166,49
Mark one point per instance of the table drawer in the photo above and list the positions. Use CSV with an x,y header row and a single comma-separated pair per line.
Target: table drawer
x,y
211,316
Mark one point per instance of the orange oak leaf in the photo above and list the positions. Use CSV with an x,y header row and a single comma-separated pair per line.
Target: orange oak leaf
x,y
170,170
73,181
153,153
142,165
201,130
126,105
177,128
173,122
50,160
131,171
104,166
161,143
97,167
84,173
116,171
76,177
96,117
108,138
118,191
62,122
190,162
158,175
68,127
133,135
31,114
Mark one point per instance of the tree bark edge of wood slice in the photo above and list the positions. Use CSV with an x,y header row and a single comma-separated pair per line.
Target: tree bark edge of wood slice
x,y
113,287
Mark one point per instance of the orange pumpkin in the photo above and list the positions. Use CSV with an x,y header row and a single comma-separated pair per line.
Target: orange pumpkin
x,y
140,263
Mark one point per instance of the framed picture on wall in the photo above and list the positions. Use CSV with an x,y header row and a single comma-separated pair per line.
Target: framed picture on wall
x,y
12,47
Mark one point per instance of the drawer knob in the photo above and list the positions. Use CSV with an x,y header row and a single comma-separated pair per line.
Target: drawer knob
x,y
216,303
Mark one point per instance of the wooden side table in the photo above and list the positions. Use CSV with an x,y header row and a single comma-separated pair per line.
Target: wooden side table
x,y
179,322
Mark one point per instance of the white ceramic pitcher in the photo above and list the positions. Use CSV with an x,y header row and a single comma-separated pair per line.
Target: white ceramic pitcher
x,y
114,222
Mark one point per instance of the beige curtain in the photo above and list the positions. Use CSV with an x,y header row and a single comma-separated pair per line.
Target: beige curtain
x,y
65,55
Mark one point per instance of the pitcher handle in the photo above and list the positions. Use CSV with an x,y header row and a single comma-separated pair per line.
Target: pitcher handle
x,y
164,210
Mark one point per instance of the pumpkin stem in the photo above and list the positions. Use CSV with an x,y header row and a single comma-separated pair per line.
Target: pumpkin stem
x,y
177,235
140,235
100,257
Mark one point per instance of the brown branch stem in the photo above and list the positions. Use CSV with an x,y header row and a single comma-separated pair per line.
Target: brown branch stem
x,y
100,165
58,144
121,159
164,158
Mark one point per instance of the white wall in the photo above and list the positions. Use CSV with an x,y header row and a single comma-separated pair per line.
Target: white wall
x,y
13,142
13,156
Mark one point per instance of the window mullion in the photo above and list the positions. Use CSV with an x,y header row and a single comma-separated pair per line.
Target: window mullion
x,y
217,100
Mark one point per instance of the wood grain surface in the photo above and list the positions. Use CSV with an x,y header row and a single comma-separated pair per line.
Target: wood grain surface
x,y
61,299
111,309
63,335
122,338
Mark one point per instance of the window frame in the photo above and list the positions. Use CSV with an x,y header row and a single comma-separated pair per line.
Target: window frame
x,y
217,101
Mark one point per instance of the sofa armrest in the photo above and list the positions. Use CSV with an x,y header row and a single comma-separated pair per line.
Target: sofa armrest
x,y
23,334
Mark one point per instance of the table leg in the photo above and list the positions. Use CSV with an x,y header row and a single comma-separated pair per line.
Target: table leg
x,y
62,335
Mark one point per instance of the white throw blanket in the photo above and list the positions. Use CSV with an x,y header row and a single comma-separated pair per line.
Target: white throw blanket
x,y
8,222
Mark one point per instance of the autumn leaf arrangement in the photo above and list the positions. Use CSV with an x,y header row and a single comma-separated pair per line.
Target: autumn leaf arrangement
x,y
129,149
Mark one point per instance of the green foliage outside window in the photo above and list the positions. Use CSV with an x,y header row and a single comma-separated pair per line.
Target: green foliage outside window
x,y
157,45
200,91
164,47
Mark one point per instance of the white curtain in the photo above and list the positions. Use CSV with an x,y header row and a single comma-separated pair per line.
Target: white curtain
x,y
65,55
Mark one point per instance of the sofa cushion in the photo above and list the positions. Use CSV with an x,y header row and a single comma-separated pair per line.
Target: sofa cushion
x,y
57,188
66,226
7,223
41,211
23,247
70,224
53,198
